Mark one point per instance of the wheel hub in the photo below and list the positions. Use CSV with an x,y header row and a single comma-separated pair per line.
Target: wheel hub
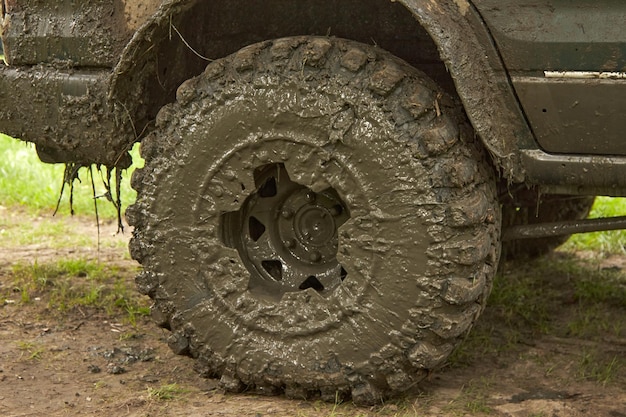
x,y
286,234
307,226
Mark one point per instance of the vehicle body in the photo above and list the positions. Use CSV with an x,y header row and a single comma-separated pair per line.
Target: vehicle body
x,y
542,82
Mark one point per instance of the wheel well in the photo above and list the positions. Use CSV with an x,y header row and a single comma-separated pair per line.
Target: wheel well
x,y
169,50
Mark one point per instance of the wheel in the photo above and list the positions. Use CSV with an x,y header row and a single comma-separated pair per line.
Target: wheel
x,y
314,218
529,207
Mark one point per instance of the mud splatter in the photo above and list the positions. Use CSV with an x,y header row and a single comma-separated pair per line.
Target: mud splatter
x,y
342,129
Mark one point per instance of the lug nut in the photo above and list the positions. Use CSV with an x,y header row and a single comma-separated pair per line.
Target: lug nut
x,y
310,196
290,243
286,213
315,256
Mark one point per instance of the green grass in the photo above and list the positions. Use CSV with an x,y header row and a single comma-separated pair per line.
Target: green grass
x,y
28,183
473,398
599,368
558,296
71,283
599,296
167,392
603,242
30,350
55,234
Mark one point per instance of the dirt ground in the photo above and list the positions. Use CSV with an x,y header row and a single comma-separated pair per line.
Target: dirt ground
x,y
90,362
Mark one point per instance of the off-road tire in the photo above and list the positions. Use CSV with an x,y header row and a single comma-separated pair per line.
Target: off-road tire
x,y
537,209
417,253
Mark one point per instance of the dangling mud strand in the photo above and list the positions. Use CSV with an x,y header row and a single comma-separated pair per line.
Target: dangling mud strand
x,y
112,188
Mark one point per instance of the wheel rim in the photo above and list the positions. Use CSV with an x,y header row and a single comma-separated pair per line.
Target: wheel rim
x,y
286,235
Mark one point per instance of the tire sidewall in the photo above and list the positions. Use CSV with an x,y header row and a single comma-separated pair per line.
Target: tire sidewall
x,y
398,248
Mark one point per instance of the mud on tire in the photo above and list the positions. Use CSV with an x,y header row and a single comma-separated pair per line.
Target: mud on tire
x,y
290,132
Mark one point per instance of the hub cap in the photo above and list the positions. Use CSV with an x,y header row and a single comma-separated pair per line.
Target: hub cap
x,y
286,234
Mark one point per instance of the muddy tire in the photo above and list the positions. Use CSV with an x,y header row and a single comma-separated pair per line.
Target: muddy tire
x,y
314,218
550,208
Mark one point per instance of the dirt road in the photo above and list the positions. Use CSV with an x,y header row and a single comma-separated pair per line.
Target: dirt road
x,y
552,342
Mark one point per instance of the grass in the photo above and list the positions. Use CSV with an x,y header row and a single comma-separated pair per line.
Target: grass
x,y
396,408
167,392
598,296
34,186
599,368
76,283
473,398
577,305
29,191
55,234
603,242
30,351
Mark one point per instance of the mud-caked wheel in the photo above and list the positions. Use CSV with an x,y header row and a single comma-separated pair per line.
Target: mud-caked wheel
x,y
314,218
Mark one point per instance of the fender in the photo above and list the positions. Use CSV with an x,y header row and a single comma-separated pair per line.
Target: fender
x,y
131,95
481,80
457,29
